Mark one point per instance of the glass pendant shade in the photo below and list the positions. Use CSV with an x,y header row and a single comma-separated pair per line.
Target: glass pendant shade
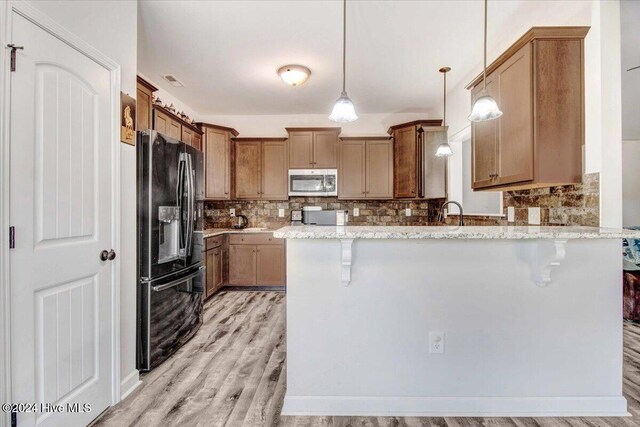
x,y
444,150
485,108
343,110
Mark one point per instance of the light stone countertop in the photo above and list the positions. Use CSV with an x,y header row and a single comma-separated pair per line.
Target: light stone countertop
x,y
453,232
212,232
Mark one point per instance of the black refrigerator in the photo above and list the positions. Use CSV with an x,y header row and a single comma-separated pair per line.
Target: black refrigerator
x,y
170,267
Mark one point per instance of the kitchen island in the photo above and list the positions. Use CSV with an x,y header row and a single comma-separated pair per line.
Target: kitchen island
x,y
446,321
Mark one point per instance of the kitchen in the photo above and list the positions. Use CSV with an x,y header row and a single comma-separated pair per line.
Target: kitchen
x,y
443,246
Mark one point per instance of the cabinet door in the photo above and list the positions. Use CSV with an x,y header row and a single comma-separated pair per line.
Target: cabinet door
x,y
270,265
351,174
209,287
175,129
196,141
242,265
217,268
217,153
434,168
379,171
484,142
274,170
248,170
325,149
143,108
515,130
187,135
300,150
161,122
405,163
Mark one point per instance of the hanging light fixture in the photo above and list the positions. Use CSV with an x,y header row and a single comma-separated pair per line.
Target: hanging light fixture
x,y
444,149
343,110
485,107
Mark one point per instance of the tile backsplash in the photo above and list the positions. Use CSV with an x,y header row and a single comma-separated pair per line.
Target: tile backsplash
x,y
577,204
563,205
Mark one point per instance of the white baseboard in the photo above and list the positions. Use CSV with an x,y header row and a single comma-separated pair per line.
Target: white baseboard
x,y
611,406
130,383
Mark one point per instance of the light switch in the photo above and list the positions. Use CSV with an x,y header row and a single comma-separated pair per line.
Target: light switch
x,y
511,214
407,212
232,212
534,216
356,211
281,212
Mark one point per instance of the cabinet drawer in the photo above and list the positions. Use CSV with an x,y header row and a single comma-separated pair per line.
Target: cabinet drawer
x,y
254,239
212,242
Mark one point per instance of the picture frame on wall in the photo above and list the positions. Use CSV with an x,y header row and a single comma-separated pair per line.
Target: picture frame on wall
x,y
127,119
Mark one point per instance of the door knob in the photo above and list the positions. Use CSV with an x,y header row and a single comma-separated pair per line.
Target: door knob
x,y
108,255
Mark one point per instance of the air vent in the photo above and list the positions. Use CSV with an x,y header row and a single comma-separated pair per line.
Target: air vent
x,y
172,80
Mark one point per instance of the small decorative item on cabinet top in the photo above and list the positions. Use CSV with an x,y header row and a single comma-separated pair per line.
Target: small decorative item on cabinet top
x,y
127,119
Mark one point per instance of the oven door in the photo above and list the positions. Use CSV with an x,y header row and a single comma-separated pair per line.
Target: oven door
x,y
307,182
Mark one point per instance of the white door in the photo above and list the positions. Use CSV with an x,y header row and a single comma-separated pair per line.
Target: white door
x,y
62,210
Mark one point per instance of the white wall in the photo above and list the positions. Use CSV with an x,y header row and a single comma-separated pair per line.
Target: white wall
x,y
631,182
274,125
111,27
602,87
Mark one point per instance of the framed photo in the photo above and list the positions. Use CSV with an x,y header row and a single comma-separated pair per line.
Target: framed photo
x,y
127,119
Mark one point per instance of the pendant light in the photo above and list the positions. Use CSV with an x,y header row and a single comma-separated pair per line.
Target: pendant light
x,y
485,107
444,149
343,110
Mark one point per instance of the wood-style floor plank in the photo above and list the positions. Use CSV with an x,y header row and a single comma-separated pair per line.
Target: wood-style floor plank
x,y
233,373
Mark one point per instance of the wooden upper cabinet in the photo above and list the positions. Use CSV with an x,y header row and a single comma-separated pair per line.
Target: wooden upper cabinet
x,y
196,141
218,164
379,169
161,122
433,169
539,86
274,170
301,150
325,149
144,101
405,162
366,168
248,169
313,148
187,135
261,168
352,170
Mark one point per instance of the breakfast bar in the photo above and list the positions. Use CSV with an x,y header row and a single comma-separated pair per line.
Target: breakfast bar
x,y
454,321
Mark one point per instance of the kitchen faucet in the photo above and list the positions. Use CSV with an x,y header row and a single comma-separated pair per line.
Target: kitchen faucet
x,y
441,214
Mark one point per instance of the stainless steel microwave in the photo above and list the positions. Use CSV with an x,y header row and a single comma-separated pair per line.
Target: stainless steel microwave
x,y
313,182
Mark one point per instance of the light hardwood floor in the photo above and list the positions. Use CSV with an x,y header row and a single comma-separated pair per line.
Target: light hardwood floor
x,y
233,373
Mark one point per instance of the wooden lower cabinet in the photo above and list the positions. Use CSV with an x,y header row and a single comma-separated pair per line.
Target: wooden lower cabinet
x,y
215,268
256,260
242,265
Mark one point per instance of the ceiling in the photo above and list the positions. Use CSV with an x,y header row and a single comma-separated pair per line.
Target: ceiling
x,y
227,52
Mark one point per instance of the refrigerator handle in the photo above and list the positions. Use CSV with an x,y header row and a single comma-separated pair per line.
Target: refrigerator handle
x,y
191,206
180,191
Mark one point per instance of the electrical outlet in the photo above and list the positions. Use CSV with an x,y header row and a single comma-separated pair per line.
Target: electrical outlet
x,y
511,214
534,216
281,212
232,213
356,211
407,212
436,342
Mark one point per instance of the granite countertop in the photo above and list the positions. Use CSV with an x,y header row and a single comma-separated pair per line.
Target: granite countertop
x,y
453,232
211,232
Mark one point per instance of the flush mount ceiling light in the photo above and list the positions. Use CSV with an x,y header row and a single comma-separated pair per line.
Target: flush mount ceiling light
x,y
343,110
444,149
294,75
485,107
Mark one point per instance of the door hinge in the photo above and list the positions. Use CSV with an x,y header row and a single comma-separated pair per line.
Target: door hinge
x,y
12,237
13,48
14,419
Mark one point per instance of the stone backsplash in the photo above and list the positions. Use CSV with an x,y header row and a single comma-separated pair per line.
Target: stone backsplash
x,y
563,205
577,204
372,212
